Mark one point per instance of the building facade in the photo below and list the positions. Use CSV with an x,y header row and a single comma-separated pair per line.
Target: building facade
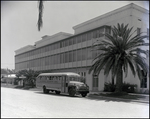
x,y
64,52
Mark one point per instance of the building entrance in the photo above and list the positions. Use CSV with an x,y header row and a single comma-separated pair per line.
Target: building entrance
x,y
95,82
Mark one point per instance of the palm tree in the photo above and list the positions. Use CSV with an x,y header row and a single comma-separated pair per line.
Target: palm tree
x,y
29,74
120,51
40,21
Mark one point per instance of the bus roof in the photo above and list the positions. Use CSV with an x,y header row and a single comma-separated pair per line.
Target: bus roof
x,y
60,74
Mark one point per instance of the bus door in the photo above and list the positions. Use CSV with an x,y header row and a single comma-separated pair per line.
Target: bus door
x,y
66,84
63,81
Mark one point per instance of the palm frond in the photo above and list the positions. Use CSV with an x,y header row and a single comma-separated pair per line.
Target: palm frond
x,y
130,62
40,21
109,65
125,67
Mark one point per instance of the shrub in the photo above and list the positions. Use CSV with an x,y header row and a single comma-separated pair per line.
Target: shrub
x,y
126,87
15,81
108,86
129,88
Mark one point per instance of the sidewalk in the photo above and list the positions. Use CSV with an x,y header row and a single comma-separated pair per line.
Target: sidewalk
x,y
141,98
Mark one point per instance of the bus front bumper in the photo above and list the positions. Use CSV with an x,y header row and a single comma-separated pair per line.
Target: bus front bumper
x,y
78,92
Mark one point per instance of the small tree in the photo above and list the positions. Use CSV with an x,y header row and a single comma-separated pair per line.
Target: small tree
x,y
30,76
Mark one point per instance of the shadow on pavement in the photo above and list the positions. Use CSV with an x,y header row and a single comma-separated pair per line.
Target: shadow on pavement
x,y
59,95
109,99
21,87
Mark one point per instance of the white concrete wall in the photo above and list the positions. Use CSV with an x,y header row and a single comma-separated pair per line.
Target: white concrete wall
x,y
89,80
51,39
24,49
101,81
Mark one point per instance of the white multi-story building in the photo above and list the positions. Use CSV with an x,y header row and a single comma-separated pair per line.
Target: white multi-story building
x,y
63,52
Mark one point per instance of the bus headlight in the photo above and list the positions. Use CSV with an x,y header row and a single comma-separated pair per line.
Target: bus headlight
x,y
77,87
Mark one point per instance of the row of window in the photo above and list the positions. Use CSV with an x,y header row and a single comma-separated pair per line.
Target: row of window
x,y
66,57
58,78
67,42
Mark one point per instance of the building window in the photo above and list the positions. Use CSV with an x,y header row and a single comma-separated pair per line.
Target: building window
x,y
95,82
66,57
94,54
58,45
70,56
79,39
148,33
74,56
144,80
89,53
66,42
61,44
94,34
84,54
108,29
71,41
61,58
138,31
79,55
74,40
83,37
89,36
58,57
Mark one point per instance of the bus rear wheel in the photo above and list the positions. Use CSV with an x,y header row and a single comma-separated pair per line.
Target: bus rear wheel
x,y
45,90
57,92
72,92
84,94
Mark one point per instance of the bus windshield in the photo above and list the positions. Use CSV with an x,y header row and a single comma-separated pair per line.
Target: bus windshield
x,y
75,78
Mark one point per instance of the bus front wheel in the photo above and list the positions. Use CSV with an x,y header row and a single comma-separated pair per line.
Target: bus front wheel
x,y
72,92
84,94
57,92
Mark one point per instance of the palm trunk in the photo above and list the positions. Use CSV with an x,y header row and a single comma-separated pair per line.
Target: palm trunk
x,y
113,81
119,79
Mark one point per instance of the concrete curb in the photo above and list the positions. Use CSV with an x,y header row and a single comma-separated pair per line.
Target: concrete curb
x,y
118,99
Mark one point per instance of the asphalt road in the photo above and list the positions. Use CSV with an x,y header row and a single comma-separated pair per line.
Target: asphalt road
x,y
18,103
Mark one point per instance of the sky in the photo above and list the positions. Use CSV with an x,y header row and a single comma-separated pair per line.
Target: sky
x,y
19,21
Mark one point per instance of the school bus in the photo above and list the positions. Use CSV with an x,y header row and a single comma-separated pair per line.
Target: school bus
x,y
66,82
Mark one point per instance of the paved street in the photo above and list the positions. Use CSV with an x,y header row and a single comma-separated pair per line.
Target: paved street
x,y
34,104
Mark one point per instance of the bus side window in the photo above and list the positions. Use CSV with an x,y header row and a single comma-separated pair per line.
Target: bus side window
x,y
63,78
50,78
42,78
39,78
54,78
60,78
